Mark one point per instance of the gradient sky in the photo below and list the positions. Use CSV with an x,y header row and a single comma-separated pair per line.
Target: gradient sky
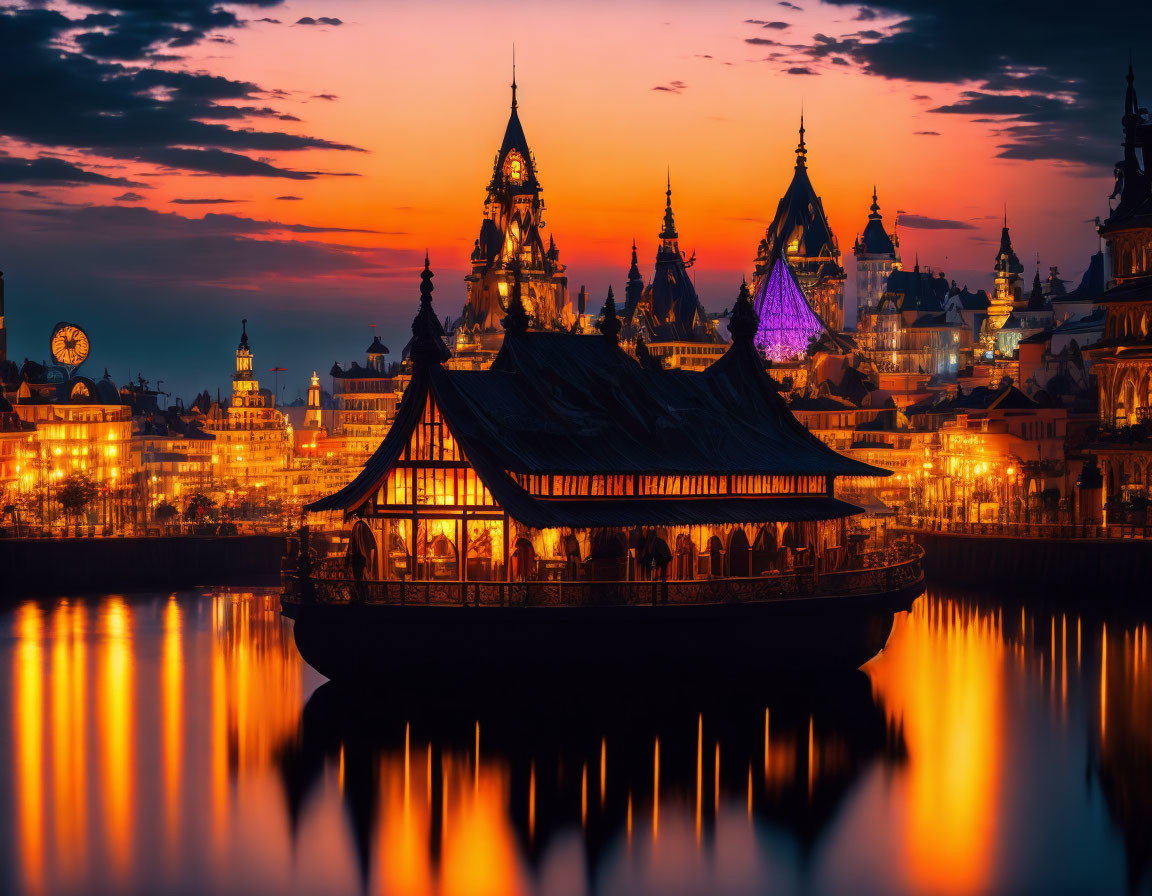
x,y
165,172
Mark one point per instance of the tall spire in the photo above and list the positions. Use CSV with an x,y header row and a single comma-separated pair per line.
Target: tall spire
x,y
801,149
875,207
609,324
513,76
669,230
244,333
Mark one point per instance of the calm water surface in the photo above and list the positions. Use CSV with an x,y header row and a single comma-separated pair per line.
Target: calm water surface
x,y
156,744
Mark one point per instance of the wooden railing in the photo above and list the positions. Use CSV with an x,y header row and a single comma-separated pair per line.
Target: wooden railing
x,y
879,572
1023,530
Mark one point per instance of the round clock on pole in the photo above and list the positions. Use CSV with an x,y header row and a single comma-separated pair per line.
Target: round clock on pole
x,y
69,345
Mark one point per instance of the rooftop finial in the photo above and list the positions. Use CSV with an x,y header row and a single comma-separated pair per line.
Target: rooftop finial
x,y
669,230
427,344
513,76
875,207
801,150
244,333
609,324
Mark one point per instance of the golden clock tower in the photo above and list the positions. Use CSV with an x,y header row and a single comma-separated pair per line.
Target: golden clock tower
x,y
511,236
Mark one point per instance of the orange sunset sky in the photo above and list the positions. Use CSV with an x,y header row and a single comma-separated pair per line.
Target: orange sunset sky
x,y
404,105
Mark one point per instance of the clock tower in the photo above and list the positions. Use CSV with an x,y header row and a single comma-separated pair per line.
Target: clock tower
x,y
511,237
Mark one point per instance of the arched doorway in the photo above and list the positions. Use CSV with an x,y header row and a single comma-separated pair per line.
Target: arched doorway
x,y
523,560
764,549
715,557
738,554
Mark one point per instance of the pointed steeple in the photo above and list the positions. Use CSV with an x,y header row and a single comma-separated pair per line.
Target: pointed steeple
x,y
801,149
244,333
669,230
875,207
634,288
609,324
1006,259
1036,301
427,344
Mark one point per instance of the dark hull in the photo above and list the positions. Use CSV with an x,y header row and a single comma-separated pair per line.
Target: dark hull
x,y
373,645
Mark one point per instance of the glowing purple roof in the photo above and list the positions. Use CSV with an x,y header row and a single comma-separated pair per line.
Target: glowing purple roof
x,y
787,321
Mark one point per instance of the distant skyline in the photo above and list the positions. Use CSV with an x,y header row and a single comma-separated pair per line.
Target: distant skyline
x,y
165,173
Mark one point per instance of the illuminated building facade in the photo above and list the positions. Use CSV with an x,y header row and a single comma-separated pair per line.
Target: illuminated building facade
x,y
1008,292
511,239
800,230
1124,356
81,426
366,398
253,439
534,469
877,256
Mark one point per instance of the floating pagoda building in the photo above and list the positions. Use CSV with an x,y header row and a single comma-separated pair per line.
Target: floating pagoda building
x,y
570,482
558,459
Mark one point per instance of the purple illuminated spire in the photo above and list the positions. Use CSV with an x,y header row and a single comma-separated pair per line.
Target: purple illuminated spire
x,y
787,321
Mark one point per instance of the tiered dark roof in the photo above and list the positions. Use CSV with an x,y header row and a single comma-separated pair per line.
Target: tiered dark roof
x,y
875,239
565,404
1006,259
668,307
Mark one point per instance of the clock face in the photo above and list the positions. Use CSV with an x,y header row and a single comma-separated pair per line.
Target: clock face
x,y
69,345
515,168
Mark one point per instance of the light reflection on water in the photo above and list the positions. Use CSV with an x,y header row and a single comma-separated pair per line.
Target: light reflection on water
x,y
178,743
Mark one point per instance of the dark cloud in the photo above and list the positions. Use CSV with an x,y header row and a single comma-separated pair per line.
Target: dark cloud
x,y
269,21
925,222
1057,86
206,201
320,20
921,96
840,60
926,133
866,14
762,41
60,98
778,26
671,87
290,198
330,97
129,197
800,70
46,170
788,5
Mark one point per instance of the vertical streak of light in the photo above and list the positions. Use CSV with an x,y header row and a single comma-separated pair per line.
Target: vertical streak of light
x,y
64,786
340,771
79,745
628,823
532,801
584,795
1103,680
28,678
218,729
116,725
656,790
603,770
407,766
428,782
1077,642
1064,664
476,773
749,791
811,758
172,695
